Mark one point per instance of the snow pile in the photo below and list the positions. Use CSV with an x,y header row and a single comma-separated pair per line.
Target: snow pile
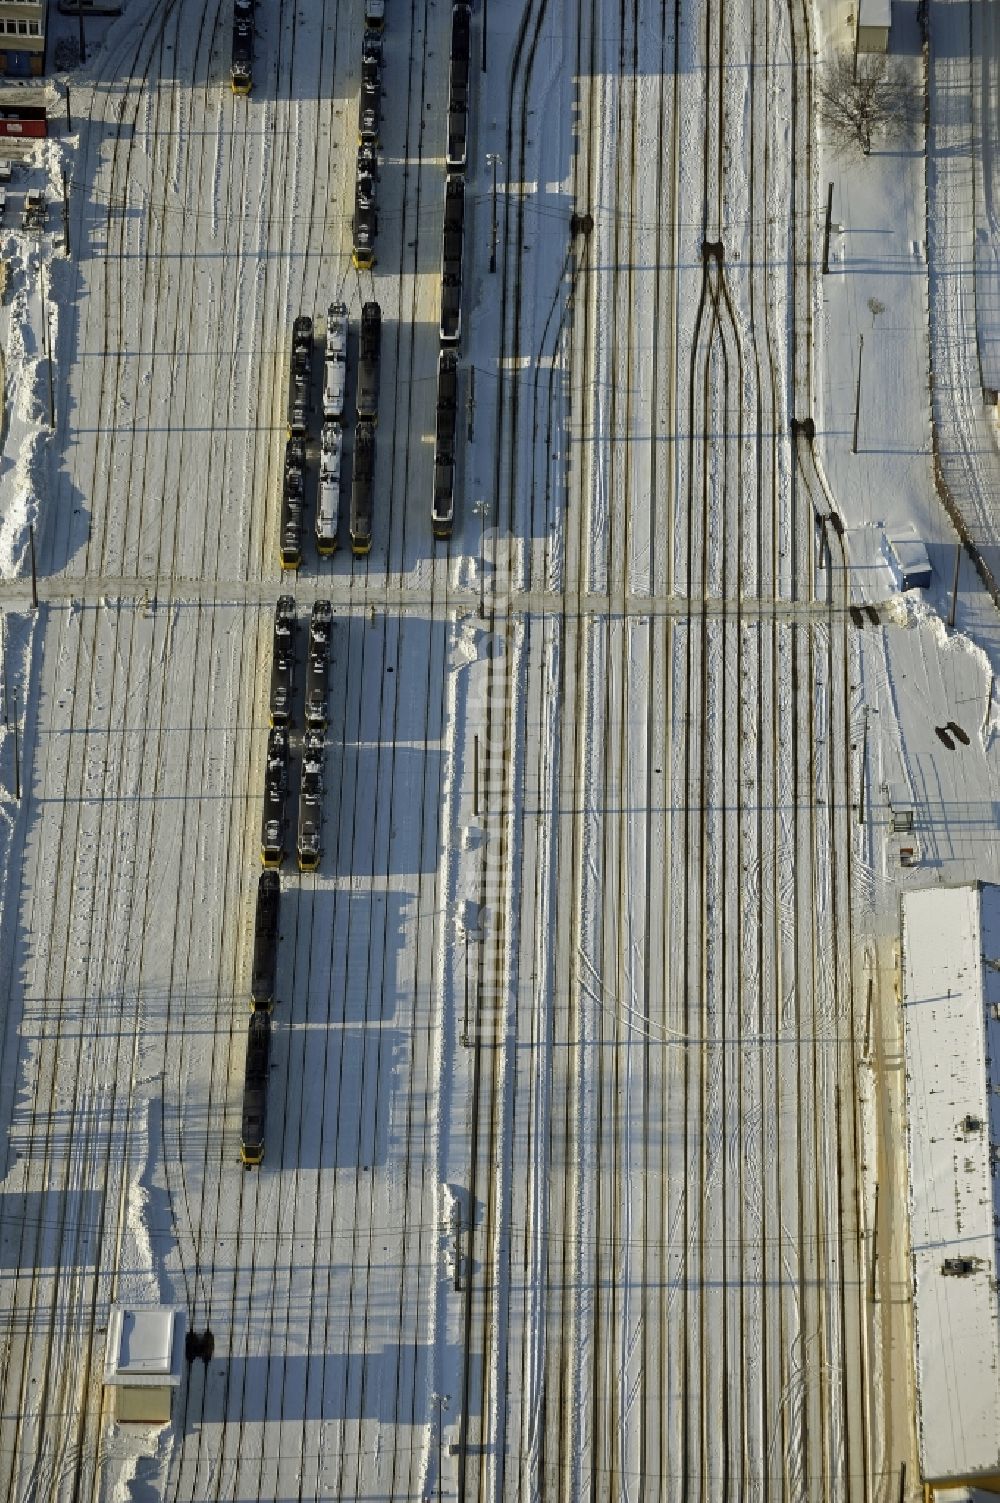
x,y
28,326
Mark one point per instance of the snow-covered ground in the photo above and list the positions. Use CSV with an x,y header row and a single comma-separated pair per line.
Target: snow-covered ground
x,y
574,1079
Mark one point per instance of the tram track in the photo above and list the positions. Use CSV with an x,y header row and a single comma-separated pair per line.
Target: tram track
x,y
85,1150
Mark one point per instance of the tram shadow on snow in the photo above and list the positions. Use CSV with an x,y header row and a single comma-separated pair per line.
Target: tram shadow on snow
x,y
359,980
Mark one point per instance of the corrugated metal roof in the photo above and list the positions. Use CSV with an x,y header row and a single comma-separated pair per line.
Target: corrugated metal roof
x,y
950,995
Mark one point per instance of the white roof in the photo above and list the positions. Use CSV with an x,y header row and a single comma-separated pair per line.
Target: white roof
x,y
951,1003
875,13
144,1347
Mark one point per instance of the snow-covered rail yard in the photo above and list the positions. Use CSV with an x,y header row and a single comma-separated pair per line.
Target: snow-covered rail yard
x,y
583,1177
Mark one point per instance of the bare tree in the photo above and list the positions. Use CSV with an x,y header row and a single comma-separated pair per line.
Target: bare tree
x,y
862,100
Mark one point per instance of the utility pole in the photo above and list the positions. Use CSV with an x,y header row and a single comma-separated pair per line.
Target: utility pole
x,y
69,121
34,577
863,788
954,588
475,776
17,756
826,232
857,398
47,347
492,159
83,44
65,187
482,506
3,663
483,59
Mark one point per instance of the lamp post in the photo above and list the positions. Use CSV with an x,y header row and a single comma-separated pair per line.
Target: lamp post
x,y
482,506
492,160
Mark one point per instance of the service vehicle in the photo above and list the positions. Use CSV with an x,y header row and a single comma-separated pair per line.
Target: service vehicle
x,y
362,483
264,965
328,494
258,1065
335,362
309,842
283,662
292,504
272,825
369,358
300,380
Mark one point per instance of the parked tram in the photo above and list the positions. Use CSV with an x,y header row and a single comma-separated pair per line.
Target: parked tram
x,y
258,1064
272,826
263,970
362,488
328,494
309,841
283,662
293,498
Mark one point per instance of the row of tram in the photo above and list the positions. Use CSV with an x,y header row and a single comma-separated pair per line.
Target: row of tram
x,y
241,68
274,817
273,836
331,455
452,259
364,225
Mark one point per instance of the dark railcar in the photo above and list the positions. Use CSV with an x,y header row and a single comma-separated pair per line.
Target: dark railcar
x,y
451,309
445,427
300,382
241,71
369,359
258,1064
458,88
283,662
454,203
443,504
272,829
362,488
456,155
371,47
364,228
265,942
292,504
369,113
461,20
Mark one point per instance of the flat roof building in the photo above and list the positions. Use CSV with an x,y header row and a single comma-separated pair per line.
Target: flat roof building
x,y
143,1362
874,20
951,1017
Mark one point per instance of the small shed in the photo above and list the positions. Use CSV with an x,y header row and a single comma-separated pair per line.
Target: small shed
x,y
907,558
143,1362
874,20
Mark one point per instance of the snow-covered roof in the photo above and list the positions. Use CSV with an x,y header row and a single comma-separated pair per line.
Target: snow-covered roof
x,y
951,1009
875,13
144,1347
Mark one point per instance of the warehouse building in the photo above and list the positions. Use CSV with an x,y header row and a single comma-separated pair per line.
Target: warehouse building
x,y
951,1017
